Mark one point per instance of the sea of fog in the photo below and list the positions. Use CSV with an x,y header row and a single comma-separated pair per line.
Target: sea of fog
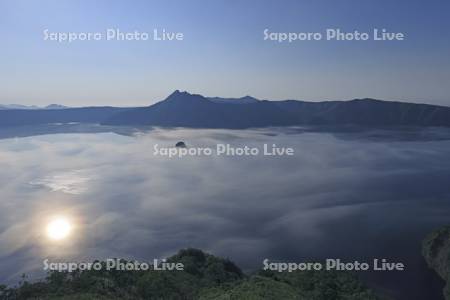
x,y
353,194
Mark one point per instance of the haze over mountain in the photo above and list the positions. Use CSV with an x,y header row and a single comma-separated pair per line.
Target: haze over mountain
x,y
19,106
19,117
242,100
182,109
55,106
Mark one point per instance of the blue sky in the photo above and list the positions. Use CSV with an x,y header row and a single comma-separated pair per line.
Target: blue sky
x,y
223,52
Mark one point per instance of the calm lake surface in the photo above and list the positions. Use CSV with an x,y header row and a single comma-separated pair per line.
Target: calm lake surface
x,y
350,194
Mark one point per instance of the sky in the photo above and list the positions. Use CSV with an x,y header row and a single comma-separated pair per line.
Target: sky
x,y
223,52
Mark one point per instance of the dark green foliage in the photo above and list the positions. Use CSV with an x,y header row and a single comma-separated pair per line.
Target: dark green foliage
x,y
205,277
324,285
167,285
253,288
208,269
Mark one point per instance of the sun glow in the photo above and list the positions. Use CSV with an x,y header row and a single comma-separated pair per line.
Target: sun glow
x,y
59,228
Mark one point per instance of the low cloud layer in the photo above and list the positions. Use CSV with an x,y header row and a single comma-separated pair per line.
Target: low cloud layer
x,y
336,197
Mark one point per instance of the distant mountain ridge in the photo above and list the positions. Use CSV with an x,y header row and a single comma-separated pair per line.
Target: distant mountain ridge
x,y
19,106
242,100
182,109
190,110
21,117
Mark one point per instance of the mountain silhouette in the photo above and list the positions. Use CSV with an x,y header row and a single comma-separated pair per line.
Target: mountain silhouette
x,y
182,109
20,117
242,100
190,110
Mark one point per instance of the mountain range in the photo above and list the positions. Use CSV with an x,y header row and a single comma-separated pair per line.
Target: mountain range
x,y
19,106
182,109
